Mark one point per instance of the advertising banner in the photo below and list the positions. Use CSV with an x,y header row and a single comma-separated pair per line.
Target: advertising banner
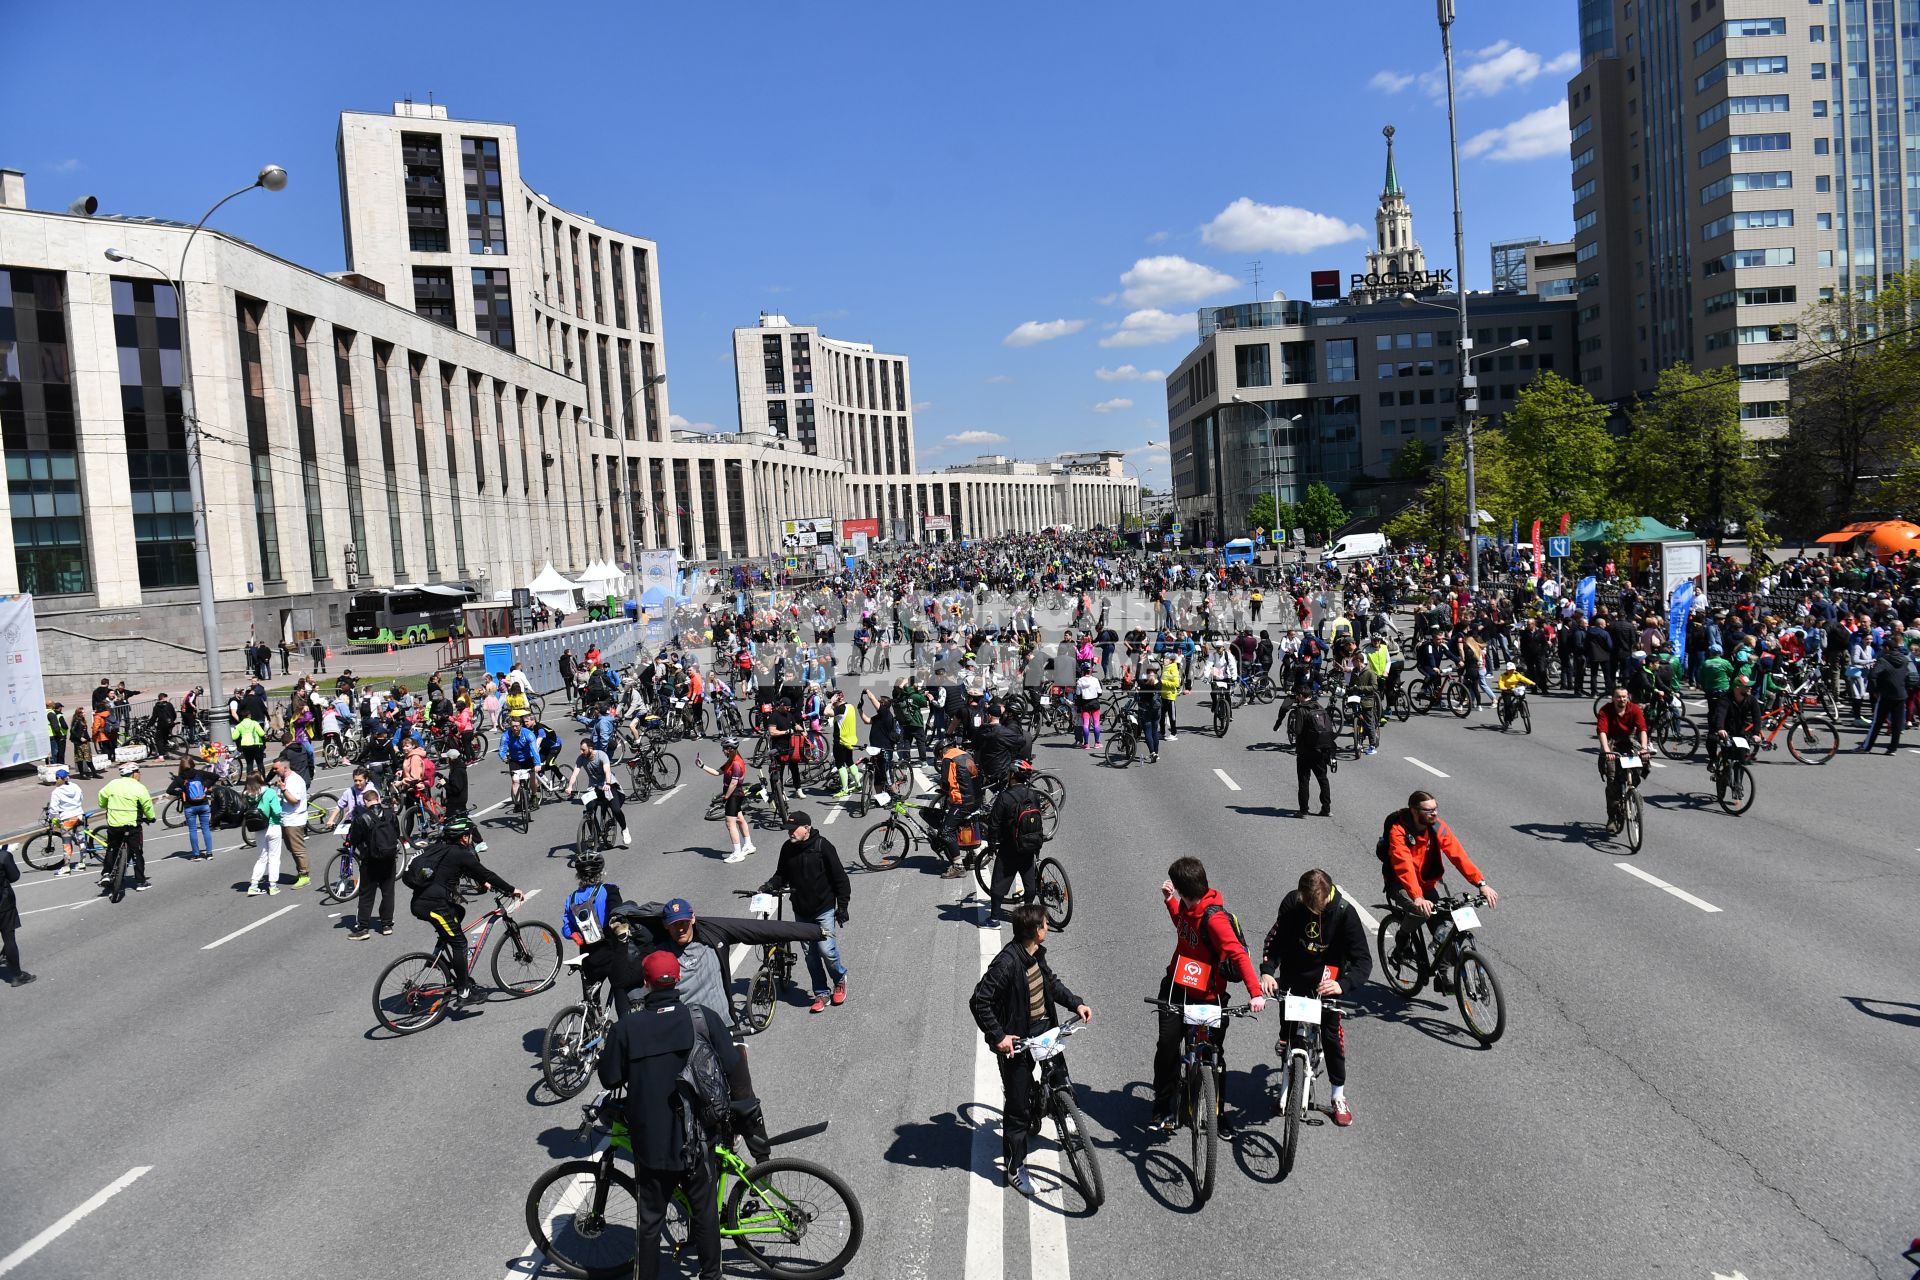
x,y
851,530
1539,560
937,522
23,699
804,535
1677,617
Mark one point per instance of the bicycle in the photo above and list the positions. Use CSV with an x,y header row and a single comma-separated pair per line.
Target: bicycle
x,y
753,1012
1203,1081
1070,1127
597,826
1222,706
1733,781
1669,729
1302,1063
881,779
46,850
905,829
417,990
790,1217
526,796
575,1038
1510,705
1810,739
114,870
1406,963
1447,689
1625,812
1123,742
1356,716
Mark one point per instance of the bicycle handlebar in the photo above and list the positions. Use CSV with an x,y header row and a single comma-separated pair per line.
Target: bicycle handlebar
x,y
1226,1011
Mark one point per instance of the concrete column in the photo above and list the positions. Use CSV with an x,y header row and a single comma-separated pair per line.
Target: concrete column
x,y
101,445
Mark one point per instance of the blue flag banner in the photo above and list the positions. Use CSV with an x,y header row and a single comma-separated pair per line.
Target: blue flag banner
x,y
1583,595
1677,617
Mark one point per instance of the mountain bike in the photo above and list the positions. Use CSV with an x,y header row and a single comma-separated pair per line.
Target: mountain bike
x,y
1302,1063
1810,739
597,826
881,780
1733,781
1510,707
908,827
526,796
46,850
1625,812
1203,1079
1256,688
653,767
1123,740
1407,962
753,1011
1669,729
1048,1049
1447,689
575,1039
790,1217
1354,715
418,989
1222,708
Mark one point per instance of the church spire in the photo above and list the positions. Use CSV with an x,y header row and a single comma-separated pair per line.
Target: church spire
x,y
1393,179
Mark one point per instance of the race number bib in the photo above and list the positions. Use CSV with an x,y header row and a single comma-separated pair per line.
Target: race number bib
x,y
1195,975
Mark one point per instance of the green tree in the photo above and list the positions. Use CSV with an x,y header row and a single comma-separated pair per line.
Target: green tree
x,y
1319,511
1412,461
1260,514
1686,460
1435,518
1553,454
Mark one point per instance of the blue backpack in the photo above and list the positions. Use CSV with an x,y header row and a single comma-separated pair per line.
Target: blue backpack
x,y
196,790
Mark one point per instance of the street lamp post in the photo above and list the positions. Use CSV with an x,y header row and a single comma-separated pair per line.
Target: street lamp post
x,y
1273,464
1444,10
273,178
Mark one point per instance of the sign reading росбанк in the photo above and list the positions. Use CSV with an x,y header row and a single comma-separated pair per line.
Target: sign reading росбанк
x,y
1412,281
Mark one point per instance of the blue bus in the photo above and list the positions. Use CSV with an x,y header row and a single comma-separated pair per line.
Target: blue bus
x,y
1239,551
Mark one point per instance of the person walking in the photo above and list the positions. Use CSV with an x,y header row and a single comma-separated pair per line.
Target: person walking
x,y
318,652
811,871
266,864
1312,747
10,919
293,818
82,739
374,837
1887,679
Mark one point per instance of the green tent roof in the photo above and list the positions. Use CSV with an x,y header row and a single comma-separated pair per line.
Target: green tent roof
x,y
1640,529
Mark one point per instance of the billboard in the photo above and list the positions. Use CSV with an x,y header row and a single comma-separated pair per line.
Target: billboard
x,y
806,534
937,522
852,529
23,700
1326,286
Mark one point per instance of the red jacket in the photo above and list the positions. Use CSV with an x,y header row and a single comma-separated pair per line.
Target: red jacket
x,y
1419,871
1214,943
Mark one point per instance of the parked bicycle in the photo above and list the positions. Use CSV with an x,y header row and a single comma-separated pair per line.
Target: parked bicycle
x,y
1056,1095
1203,1078
417,990
753,1011
1408,963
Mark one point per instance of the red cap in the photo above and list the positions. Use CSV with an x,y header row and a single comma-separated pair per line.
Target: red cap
x,y
661,969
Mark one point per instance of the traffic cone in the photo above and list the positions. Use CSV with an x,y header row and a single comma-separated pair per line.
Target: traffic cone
x,y
389,646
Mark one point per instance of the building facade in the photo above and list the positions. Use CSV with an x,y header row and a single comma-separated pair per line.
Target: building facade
x,y
1732,164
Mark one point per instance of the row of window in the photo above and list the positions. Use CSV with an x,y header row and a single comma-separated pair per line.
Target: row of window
x,y
1749,104
1739,27
1764,66
1741,143
1779,257
1771,180
1758,297
1747,220
1748,334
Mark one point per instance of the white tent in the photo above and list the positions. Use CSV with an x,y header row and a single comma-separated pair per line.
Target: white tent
x,y
600,577
552,590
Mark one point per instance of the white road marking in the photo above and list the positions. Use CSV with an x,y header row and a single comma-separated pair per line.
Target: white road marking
x,y
249,928
1222,775
669,794
1366,916
833,816
65,1224
1658,883
1047,1226
1656,764
1422,764
62,906
986,1192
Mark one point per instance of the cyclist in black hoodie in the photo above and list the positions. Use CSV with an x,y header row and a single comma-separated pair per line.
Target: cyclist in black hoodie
x,y
1317,929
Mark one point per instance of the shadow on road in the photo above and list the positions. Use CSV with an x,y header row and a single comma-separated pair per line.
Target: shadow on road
x,y
1896,1011
1563,833
1261,811
944,1141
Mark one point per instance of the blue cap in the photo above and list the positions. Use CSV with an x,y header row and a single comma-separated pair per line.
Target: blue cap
x,y
677,909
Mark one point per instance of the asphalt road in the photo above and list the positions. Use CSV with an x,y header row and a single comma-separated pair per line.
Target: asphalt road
x,y
1680,1092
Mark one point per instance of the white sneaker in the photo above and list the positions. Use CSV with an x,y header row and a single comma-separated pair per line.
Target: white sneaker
x,y
626,836
738,855
64,871
748,847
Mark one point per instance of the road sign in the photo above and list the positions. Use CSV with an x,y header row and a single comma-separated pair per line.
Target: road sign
x,y
1559,547
1299,537
1176,528
1259,538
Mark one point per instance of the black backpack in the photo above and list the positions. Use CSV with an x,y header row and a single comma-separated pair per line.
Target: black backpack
x,y
1232,919
701,1093
1029,823
1318,730
424,870
382,833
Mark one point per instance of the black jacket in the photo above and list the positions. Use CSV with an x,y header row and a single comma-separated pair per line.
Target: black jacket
x,y
646,1052
1300,944
621,962
458,861
9,905
998,746
811,872
374,834
1888,675
1000,822
1000,1004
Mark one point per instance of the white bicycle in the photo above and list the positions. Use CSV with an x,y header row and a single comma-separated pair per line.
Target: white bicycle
x,y
1303,1062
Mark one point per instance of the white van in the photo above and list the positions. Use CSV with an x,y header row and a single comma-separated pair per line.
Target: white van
x,y
1358,546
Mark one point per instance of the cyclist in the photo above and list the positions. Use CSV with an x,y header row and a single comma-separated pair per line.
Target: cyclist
x,y
1716,677
588,908
1735,716
1413,841
1620,727
1016,828
374,837
67,805
733,798
602,783
1317,947
1207,951
129,807
438,901
1014,999
520,752
999,745
959,798
1510,679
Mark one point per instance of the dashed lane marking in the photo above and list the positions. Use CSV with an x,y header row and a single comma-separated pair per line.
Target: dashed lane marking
x,y
833,816
986,1193
221,942
1422,764
1367,917
66,1223
1222,775
669,793
1658,883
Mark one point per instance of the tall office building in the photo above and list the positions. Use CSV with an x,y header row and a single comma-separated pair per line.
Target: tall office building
x,y
1509,262
1710,144
836,399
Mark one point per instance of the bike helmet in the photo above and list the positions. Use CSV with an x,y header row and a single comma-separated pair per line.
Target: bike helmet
x,y
730,743
588,866
1742,682
459,827
1022,768
1511,667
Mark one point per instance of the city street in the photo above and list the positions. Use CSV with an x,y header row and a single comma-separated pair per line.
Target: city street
x,y
1709,1064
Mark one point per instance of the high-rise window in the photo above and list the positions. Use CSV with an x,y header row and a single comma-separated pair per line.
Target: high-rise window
x,y
426,192
350,446
651,395
266,524
593,268
773,364
1342,364
37,424
486,199
616,262
802,363
492,306
626,387
710,502
579,303
299,331
1253,365
642,292
146,324
433,294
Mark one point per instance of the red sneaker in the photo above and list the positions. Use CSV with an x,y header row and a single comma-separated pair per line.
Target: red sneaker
x,y
819,1004
1342,1113
840,991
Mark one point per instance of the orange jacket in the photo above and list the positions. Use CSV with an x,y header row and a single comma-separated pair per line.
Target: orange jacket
x,y
1419,871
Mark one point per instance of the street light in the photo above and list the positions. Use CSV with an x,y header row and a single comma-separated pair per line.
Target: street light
x,y
271,178
1273,465
1444,12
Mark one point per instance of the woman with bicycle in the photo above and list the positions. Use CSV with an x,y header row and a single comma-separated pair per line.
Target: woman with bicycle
x,y
1317,947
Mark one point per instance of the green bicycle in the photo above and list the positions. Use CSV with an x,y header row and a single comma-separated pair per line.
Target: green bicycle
x,y
46,850
790,1217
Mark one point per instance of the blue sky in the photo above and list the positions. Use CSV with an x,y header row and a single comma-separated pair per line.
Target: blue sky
x,y
1016,196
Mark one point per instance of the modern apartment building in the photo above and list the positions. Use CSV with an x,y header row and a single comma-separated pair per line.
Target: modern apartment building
x,y
1534,265
1734,161
1509,264
837,399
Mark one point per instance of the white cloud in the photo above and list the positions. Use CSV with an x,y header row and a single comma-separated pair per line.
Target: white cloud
x,y
921,406
1127,373
1171,279
677,423
976,437
1246,226
1533,136
779,288
1389,81
1484,72
1109,406
1155,449
1160,237
65,166
1149,327
1000,377
1038,331
1564,65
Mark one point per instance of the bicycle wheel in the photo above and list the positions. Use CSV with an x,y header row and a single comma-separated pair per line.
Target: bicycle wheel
x,y
343,878
884,843
1459,699
563,1059
173,814
1071,1128
526,959
1120,750
412,993
1477,992
1222,717
1294,1106
1632,816
44,851
1526,717
1056,892
592,834
763,998
319,805
1403,953
1050,786
794,1218
475,746
1678,738
1416,696
1503,715
1735,792
117,875
1402,706
666,771
1812,739
582,1216
982,870
1205,1147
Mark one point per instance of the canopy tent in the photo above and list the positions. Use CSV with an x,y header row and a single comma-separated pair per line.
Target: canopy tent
x,y
552,590
1637,529
599,576
654,597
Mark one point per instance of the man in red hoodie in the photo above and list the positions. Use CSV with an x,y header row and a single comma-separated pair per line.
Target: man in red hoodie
x,y
1206,954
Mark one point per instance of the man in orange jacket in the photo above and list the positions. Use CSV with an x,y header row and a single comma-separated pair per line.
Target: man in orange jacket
x,y
1416,841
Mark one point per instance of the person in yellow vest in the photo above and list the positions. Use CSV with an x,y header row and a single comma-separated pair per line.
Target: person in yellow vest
x,y
846,740
1256,600
1169,690
129,807
250,738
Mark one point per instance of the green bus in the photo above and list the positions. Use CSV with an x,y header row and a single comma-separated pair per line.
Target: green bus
x,y
403,616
